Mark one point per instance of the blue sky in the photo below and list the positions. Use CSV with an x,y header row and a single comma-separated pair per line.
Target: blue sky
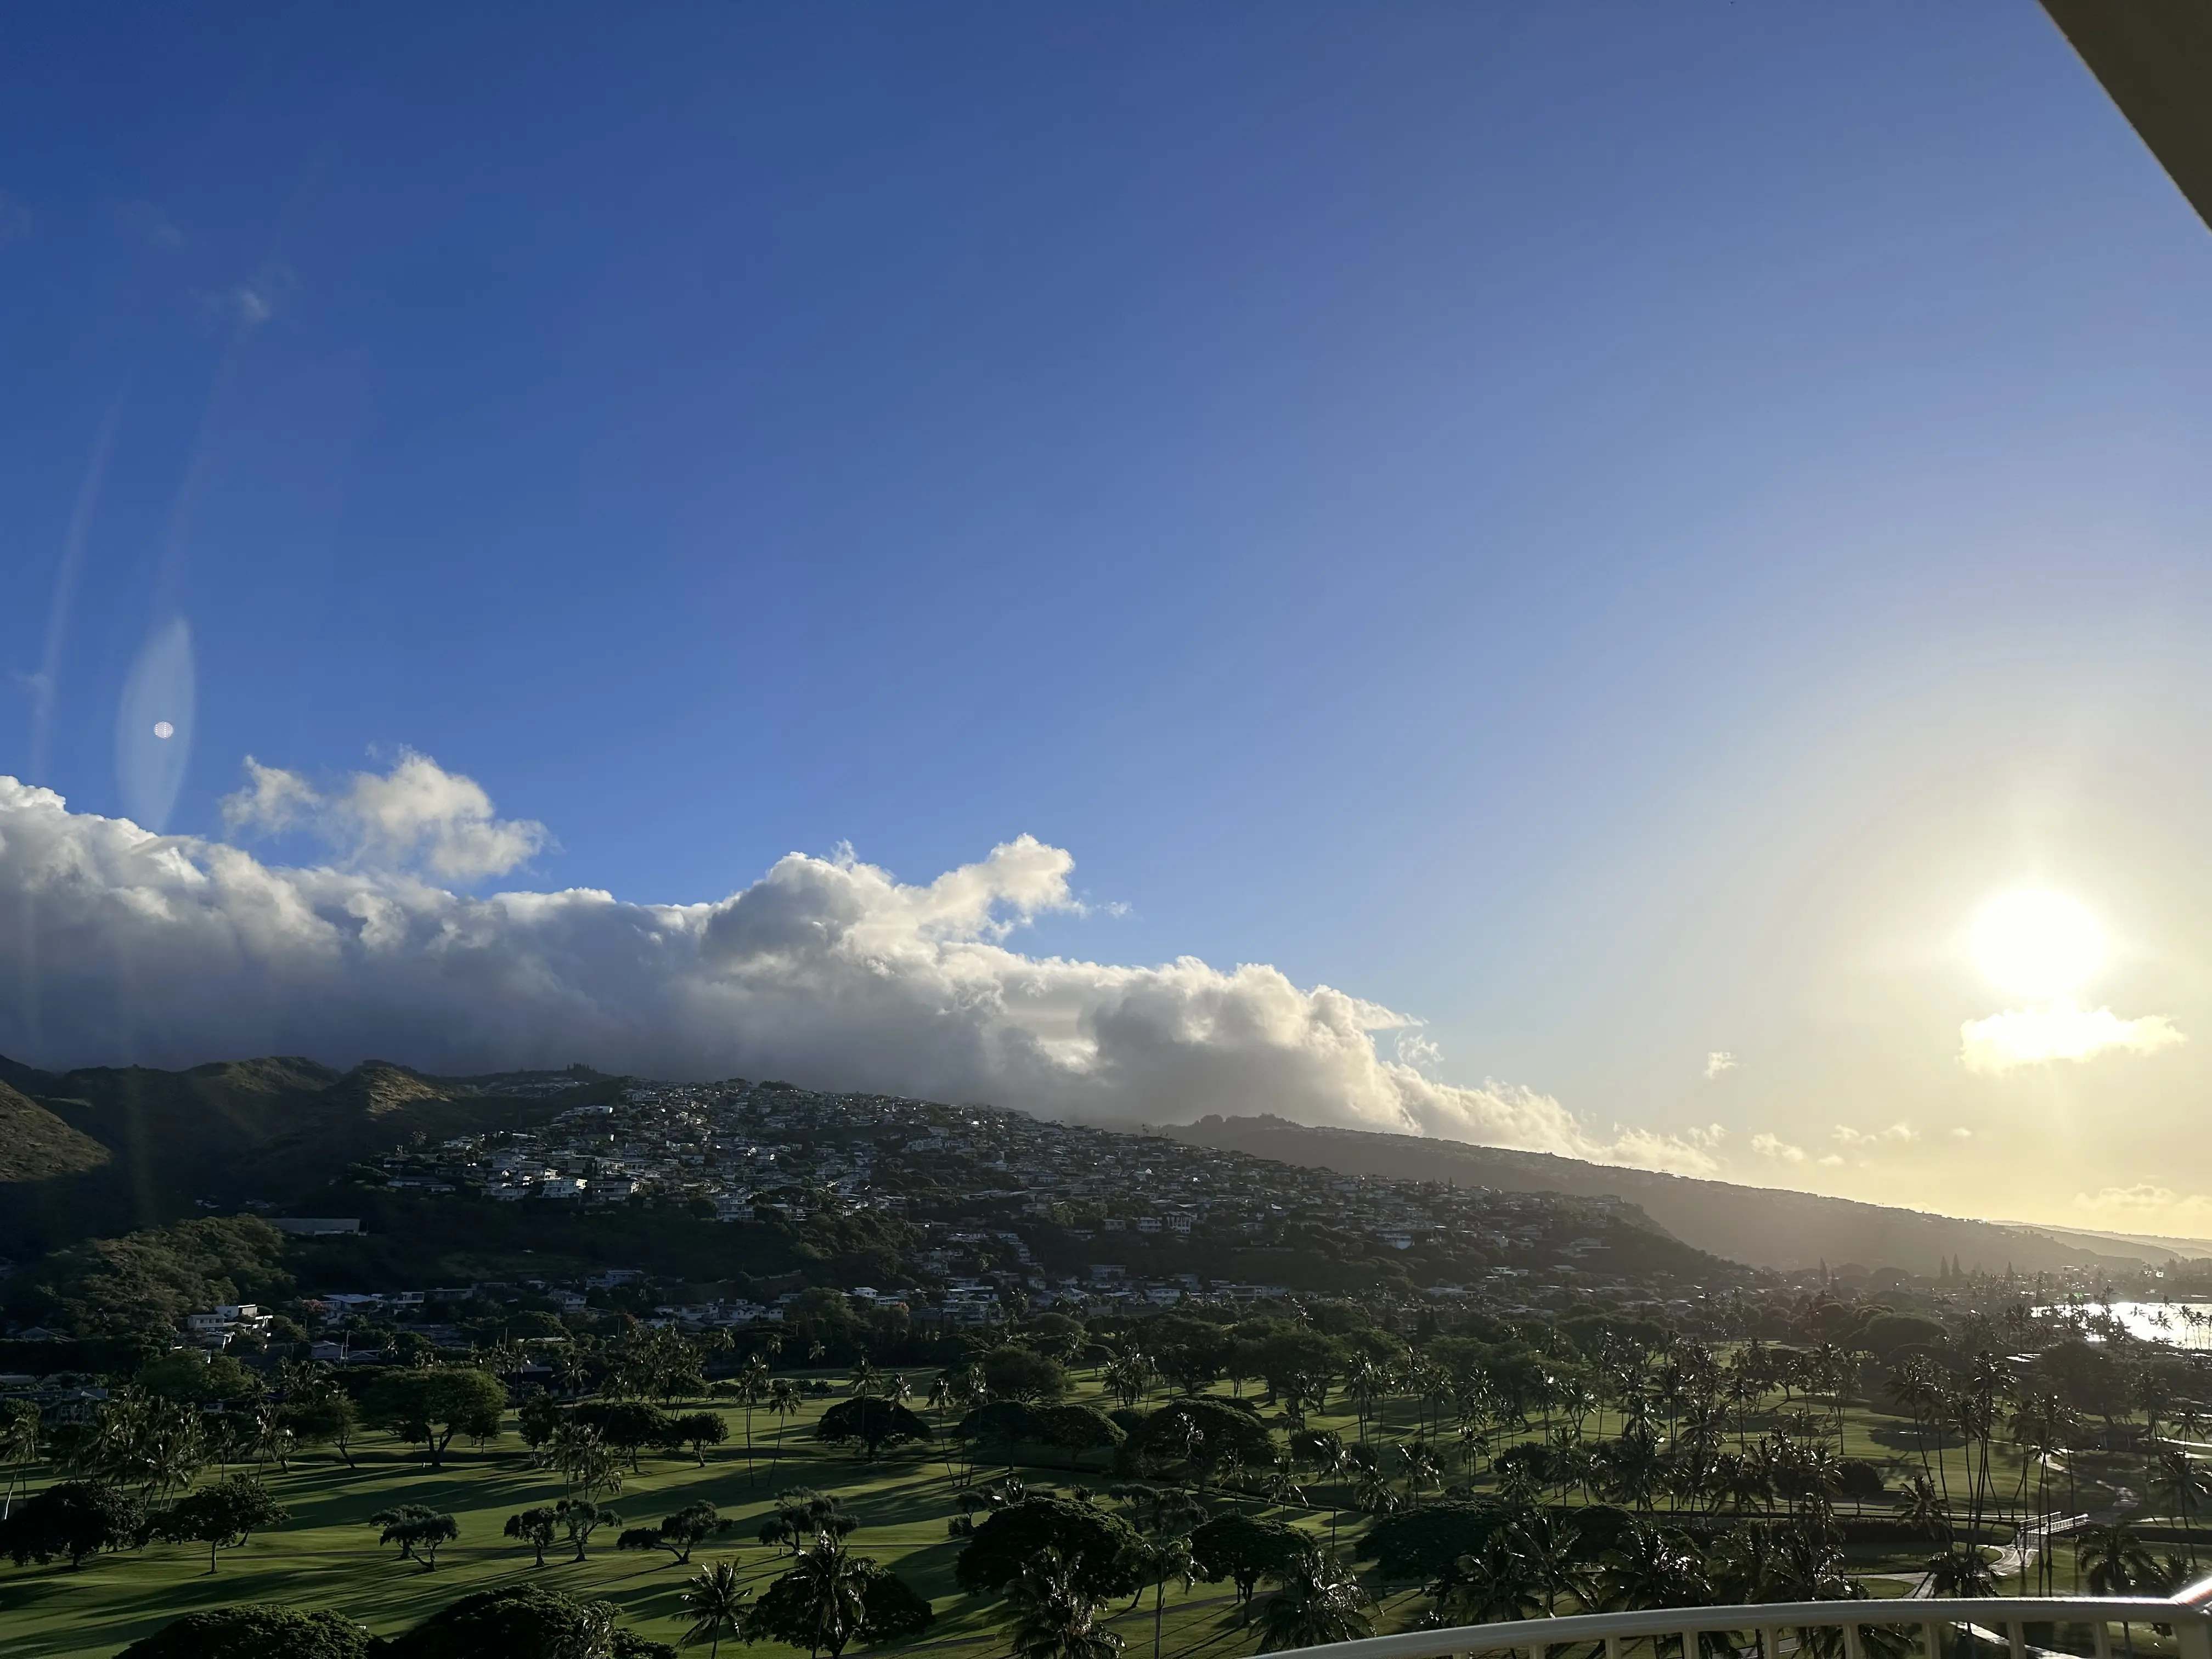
x,y
1539,517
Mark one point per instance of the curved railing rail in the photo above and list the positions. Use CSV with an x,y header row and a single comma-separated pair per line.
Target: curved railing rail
x,y
1777,1626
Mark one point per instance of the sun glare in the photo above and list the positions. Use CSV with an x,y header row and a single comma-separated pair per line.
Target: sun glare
x,y
2037,945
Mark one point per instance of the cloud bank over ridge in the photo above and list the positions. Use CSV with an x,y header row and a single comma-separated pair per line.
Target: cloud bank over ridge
x,y
121,946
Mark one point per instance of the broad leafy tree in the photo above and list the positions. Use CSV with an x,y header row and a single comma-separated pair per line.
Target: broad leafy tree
x,y
417,1529
222,1516
524,1621
679,1534
535,1528
1244,1549
254,1631
1100,1547
72,1520
580,1517
432,1406
700,1430
870,1423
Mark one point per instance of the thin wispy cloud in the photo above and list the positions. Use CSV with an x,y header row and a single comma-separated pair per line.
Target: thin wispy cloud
x,y
247,305
144,222
2145,1202
1719,1063
1897,1135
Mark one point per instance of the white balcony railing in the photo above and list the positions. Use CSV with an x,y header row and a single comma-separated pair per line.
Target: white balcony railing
x,y
1779,1626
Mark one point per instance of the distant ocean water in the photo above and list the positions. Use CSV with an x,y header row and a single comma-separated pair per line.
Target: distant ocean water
x,y
2182,1324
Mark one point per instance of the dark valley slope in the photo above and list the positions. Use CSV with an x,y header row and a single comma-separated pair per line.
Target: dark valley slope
x,y
106,1149
1763,1226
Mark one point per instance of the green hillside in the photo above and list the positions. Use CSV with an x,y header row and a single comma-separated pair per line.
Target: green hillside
x,y
108,1149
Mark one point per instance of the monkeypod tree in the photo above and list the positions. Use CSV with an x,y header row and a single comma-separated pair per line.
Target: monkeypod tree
x,y
524,1621
222,1516
1245,1550
871,1422
72,1520
1100,1548
254,1631
432,1406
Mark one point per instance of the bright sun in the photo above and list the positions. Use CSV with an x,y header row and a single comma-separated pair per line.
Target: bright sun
x,y
2037,945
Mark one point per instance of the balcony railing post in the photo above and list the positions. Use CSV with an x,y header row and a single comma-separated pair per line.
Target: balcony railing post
x,y
1851,1641
1931,1636
2016,1638
2104,1635
2194,1636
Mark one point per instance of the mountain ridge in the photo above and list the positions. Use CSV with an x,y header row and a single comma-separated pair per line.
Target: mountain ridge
x,y
1761,1226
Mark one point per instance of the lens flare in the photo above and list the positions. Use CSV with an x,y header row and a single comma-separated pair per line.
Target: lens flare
x,y
2037,945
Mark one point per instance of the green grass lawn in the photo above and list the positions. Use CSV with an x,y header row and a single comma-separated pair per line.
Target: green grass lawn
x,y
329,1557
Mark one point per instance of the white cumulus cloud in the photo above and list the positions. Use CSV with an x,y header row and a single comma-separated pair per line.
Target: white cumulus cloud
x,y
416,815
1773,1146
1719,1062
2061,1030
123,945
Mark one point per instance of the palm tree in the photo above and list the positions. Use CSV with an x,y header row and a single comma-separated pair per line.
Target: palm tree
x,y
1421,1470
1743,1567
19,1447
2185,1485
1550,1550
1055,1617
716,1599
272,1440
1654,1568
865,1376
1487,1586
2118,1564
1318,1603
831,1591
572,1366
1164,1560
587,1462
943,1395
782,1402
1962,1570
750,1388
1366,1385
1128,1375
1923,1507
1371,1489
